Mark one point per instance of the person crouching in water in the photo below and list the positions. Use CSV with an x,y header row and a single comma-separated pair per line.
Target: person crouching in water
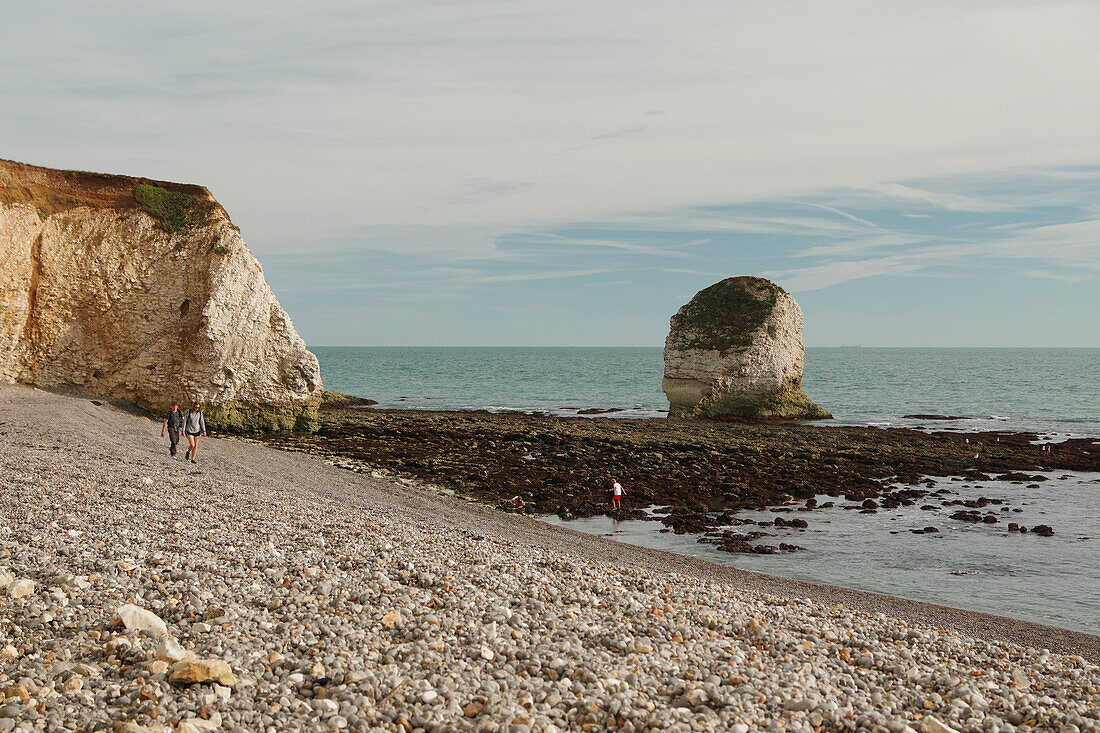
x,y
616,495
193,427
172,422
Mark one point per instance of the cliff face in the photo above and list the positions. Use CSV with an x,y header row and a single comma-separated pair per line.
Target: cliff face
x,y
736,350
145,300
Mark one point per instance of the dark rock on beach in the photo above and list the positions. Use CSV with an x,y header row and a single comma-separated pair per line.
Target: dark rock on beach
x,y
795,523
1021,477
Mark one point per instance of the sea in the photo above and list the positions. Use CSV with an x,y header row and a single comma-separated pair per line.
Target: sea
x,y
1054,393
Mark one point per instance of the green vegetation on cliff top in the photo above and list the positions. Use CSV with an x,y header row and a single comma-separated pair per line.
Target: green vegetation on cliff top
x,y
725,315
169,208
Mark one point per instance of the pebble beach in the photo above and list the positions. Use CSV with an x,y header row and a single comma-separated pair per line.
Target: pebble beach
x,y
263,590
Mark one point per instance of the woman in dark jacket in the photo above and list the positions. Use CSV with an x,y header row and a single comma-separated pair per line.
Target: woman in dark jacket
x,y
193,427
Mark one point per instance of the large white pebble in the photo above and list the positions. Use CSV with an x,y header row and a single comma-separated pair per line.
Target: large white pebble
x,y
931,725
169,650
21,588
200,725
138,619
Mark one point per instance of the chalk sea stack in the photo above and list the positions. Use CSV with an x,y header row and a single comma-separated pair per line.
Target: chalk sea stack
x,y
735,350
145,291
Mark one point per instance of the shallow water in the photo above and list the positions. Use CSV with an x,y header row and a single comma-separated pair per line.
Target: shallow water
x,y
1051,580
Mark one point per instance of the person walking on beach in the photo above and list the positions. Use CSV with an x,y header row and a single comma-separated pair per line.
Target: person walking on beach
x,y
193,427
616,495
172,424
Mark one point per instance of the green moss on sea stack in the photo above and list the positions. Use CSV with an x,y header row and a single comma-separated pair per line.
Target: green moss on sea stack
x,y
727,314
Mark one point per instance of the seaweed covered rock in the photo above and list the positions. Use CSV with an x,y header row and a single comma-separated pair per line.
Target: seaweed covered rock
x,y
144,291
735,350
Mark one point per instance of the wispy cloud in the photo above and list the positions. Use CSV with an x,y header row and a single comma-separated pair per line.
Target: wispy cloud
x,y
615,134
840,212
982,230
1072,244
828,274
735,222
684,271
564,241
548,275
871,243
937,199
1060,277
625,132
478,190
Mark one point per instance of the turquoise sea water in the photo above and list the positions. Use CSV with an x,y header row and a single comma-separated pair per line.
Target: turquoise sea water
x,y
981,567
1049,390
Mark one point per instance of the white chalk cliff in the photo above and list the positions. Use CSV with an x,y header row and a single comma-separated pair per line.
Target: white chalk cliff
x,y
735,350
147,301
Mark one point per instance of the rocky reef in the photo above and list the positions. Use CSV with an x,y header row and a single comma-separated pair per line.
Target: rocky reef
x,y
144,291
692,476
735,350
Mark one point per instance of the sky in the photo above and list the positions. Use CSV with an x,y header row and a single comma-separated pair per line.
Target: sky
x,y
522,173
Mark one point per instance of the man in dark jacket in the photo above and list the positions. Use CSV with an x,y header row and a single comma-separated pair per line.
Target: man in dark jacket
x,y
172,424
